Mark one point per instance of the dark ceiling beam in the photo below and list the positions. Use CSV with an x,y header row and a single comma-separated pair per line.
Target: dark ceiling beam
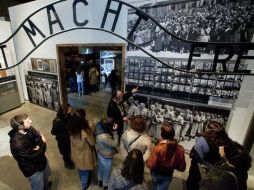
x,y
5,4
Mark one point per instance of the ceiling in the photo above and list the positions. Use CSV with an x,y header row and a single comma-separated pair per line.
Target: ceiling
x,y
4,4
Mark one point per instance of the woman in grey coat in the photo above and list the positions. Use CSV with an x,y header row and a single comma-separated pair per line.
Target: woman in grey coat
x,y
106,141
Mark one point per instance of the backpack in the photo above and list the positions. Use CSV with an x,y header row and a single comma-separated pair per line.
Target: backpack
x,y
210,176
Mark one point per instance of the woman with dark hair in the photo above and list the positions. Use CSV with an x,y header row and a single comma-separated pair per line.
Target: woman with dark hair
x,y
136,137
62,134
206,151
232,173
106,141
82,145
166,156
130,175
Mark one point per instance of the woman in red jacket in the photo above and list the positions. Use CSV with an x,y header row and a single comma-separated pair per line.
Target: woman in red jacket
x,y
166,156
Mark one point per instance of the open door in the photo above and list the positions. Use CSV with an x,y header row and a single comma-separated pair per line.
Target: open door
x,y
105,57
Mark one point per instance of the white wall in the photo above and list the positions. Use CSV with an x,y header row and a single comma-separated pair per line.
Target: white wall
x,y
243,109
5,31
93,12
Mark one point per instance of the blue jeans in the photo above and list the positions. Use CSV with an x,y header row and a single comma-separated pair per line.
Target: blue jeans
x,y
39,180
104,169
80,88
160,182
84,175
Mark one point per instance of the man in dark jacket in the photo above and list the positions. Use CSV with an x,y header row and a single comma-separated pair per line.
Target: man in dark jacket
x,y
116,109
28,147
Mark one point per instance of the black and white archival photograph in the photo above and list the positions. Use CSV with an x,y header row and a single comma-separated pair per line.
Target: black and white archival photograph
x,y
169,83
44,65
43,91
189,120
202,21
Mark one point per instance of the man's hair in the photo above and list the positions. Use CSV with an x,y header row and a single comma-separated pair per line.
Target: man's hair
x,y
20,118
133,167
138,123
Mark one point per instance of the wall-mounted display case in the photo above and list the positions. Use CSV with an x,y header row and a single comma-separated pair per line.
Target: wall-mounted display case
x,y
9,96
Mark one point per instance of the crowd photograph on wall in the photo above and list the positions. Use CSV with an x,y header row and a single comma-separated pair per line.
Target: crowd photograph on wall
x,y
203,21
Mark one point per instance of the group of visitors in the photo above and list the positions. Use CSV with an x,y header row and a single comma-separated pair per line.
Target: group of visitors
x,y
86,146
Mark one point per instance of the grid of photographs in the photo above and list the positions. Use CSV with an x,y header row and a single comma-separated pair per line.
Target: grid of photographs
x,y
152,76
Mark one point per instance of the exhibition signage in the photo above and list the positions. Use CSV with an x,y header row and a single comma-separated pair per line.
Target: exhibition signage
x,y
81,12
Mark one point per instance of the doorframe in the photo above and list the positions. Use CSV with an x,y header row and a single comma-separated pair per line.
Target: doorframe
x,y
61,65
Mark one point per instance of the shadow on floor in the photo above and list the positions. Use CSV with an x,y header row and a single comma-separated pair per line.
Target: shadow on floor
x,y
13,179
11,175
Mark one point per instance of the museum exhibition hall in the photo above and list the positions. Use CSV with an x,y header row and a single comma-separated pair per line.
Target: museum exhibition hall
x,y
191,62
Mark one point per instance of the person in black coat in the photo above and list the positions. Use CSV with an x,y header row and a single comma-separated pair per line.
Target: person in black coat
x,y
116,109
59,129
28,147
113,80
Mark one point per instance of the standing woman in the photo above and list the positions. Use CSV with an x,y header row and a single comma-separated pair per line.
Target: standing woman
x,y
80,81
166,156
62,134
82,143
106,142
137,138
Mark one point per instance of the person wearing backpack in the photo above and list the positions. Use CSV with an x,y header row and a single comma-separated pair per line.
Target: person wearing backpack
x,y
106,141
206,152
60,131
166,156
231,173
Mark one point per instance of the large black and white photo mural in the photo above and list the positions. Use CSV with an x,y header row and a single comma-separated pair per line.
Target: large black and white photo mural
x,y
43,90
210,95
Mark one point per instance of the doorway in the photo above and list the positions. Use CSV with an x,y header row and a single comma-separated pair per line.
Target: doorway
x,y
104,57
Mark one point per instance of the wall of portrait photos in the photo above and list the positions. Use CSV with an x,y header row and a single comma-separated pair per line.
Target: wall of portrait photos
x,y
156,79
